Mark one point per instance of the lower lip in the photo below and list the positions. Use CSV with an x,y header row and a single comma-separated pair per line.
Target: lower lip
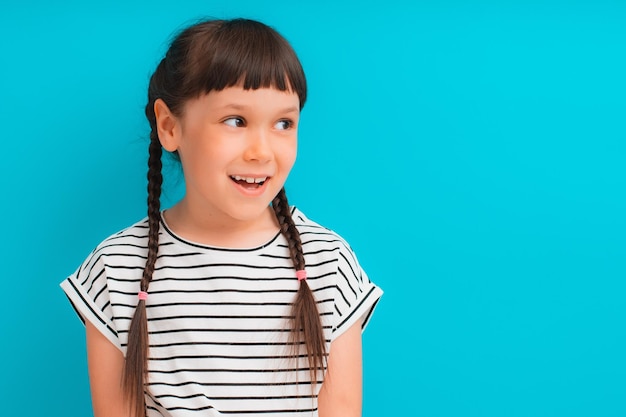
x,y
251,192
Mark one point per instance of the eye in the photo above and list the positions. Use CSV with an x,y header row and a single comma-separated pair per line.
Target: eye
x,y
234,122
284,124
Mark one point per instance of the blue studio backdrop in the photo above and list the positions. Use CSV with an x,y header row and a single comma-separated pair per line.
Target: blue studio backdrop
x,y
472,153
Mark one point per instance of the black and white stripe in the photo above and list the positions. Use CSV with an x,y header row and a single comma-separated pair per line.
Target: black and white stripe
x,y
218,318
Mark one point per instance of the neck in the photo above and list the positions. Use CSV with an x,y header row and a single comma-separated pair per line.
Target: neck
x,y
218,229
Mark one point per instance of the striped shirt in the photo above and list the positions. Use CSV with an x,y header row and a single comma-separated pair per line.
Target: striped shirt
x,y
218,319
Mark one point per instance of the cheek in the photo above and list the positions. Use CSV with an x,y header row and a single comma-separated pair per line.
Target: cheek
x,y
208,152
288,155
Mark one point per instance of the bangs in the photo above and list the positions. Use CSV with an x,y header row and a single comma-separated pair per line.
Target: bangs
x,y
242,52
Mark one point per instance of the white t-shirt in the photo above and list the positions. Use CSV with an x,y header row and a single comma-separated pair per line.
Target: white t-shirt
x,y
218,318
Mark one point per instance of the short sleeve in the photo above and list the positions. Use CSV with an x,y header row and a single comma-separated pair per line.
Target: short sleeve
x,y
356,296
88,293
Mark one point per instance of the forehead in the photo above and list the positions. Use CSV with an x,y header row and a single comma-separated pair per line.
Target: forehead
x,y
262,100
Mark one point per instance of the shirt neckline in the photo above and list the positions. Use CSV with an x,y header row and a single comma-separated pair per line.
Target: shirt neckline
x,y
181,239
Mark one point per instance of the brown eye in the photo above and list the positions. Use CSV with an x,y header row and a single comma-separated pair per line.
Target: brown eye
x,y
283,124
234,122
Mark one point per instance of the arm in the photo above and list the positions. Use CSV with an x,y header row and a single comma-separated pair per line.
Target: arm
x,y
106,363
341,392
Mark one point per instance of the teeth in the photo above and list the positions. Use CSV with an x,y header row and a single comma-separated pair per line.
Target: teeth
x,y
249,180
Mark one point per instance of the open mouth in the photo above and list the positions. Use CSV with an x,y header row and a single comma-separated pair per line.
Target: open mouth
x,y
250,183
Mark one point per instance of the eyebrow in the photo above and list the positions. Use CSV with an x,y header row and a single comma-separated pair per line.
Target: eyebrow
x,y
235,106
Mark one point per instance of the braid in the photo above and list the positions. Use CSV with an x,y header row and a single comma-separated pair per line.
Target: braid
x,y
306,319
288,229
155,179
136,363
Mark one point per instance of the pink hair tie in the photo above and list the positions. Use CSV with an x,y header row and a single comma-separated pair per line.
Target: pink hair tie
x,y
301,274
142,295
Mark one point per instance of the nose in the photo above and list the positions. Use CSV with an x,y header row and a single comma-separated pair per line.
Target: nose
x,y
258,147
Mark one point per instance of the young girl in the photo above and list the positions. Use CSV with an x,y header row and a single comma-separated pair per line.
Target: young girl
x,y
231,302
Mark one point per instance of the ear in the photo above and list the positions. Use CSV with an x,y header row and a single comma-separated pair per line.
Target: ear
x,y
168,126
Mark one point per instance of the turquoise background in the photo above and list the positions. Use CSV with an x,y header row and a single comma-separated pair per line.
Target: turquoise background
x,y
471,152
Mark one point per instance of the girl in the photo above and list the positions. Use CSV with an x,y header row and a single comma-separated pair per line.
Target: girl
x,y
231,302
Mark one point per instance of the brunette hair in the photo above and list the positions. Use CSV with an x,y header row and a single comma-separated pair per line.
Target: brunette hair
x,y
213,55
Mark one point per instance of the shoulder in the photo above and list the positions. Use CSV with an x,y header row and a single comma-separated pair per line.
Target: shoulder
x,y
107,279
353,295
131,241
311,230
314,234
135,235
118,259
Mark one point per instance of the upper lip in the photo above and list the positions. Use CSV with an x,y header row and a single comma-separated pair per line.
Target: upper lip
x,y
250,178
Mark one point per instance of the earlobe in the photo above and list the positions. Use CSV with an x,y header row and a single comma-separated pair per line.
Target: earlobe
x,y
167,126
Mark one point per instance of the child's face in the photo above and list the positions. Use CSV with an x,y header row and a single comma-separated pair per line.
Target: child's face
x,y
237,147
